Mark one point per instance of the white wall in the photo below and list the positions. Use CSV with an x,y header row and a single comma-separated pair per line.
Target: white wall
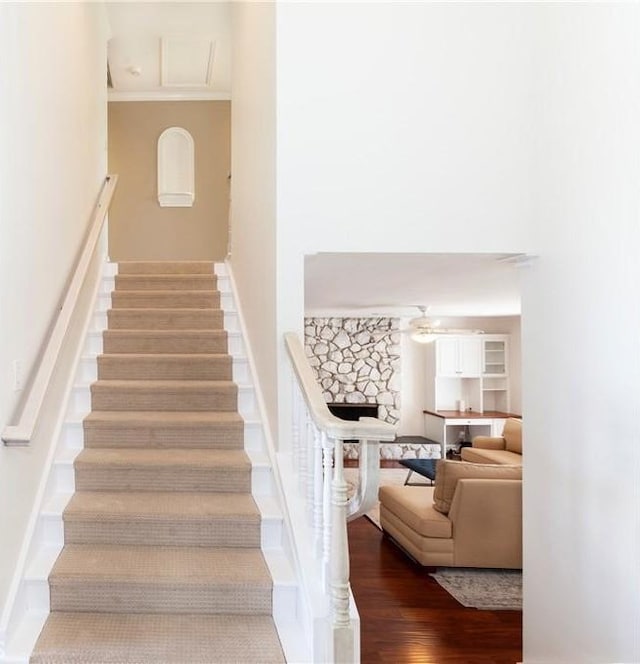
x,y
402,127
253,185
581,359
492,127
405,114
52,164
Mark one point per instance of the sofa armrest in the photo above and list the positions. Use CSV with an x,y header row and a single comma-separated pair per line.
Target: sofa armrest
x,y
487,523
489,442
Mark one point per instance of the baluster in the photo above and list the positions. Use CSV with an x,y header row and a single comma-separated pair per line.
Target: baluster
x,y
317,490
295,425
310,469
302,451
339,544
327,459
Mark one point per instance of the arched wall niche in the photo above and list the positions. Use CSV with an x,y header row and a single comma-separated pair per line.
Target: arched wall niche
x,y
176,177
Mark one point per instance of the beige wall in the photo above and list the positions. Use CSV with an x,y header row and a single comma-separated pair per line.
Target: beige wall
x,y
138,227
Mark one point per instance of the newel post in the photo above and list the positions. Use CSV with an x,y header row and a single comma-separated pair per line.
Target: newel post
x,y
342,630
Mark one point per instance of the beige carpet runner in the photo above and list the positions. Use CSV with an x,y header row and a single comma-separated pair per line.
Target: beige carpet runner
x,y
162,560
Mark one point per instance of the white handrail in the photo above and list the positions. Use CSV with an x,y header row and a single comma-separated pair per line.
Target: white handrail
x,y
367,428
317,453
21,433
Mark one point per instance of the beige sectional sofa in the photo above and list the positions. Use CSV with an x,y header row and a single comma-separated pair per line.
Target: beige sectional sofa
x,y
505,449
471,517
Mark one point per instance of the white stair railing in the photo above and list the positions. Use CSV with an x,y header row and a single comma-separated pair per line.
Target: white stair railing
x,y
317,458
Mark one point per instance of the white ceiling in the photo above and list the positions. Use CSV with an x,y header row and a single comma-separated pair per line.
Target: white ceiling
x,y
478,285
170,50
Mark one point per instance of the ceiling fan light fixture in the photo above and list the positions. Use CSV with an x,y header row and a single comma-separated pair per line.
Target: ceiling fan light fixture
x,y
423,336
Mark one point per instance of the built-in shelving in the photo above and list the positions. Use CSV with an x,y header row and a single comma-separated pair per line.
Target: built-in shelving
x,y
472,369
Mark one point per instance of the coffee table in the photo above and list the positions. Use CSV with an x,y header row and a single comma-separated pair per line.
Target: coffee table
x,y
424,467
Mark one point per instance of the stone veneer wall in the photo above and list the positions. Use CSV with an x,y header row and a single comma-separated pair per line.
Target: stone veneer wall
x,y
357,360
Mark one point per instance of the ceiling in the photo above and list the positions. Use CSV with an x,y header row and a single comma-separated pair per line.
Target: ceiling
x,y
182,50
474,285
169,50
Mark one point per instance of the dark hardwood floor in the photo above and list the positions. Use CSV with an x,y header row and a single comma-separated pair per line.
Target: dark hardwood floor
x,y
406,617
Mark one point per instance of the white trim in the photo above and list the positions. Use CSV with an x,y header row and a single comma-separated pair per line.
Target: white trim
x,y
167,95
165,43
176,200
295,631
17,609
176,168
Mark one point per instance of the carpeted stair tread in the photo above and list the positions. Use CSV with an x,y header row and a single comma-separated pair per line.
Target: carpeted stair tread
x,y
165,518
168,318
162,561
165,366
166,418
160,579
164,341
164,395
157,504
156,282
115,638
193,299
180,429
156,564
169,457
165,267
154,469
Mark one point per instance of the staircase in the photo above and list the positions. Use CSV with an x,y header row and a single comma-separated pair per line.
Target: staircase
x,y
161,560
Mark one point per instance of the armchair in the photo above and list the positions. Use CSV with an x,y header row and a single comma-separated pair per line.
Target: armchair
x,y
505,449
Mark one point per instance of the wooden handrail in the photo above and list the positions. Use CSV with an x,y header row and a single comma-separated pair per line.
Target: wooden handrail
x,y
22,432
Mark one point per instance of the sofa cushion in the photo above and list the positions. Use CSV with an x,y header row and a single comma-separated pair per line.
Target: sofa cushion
x,y
449,472
414,506
512,433
503,457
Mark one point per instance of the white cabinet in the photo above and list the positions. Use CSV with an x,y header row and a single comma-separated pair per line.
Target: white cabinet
x,y
459,357
470,368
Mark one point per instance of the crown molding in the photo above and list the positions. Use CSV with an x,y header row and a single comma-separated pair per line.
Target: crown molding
x,y
167,95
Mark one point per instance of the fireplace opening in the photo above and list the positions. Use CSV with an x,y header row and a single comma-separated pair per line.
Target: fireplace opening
x,y
353,412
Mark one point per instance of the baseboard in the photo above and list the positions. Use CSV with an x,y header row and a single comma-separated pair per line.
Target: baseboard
x,y
27,605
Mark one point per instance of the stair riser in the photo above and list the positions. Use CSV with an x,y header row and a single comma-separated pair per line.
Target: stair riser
x,y
156,282
85,595
161,368
177,300
168,267
157,399
148,319
210,532
123,343
204,436
228,480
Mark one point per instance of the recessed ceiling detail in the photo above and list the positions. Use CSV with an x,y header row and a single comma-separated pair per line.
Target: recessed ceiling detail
x,y
161,51
186,62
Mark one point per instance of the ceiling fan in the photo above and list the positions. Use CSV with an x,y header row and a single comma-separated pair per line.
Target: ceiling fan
x,y
425,329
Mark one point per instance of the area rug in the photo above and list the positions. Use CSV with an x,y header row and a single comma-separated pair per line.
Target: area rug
x,y
486,589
